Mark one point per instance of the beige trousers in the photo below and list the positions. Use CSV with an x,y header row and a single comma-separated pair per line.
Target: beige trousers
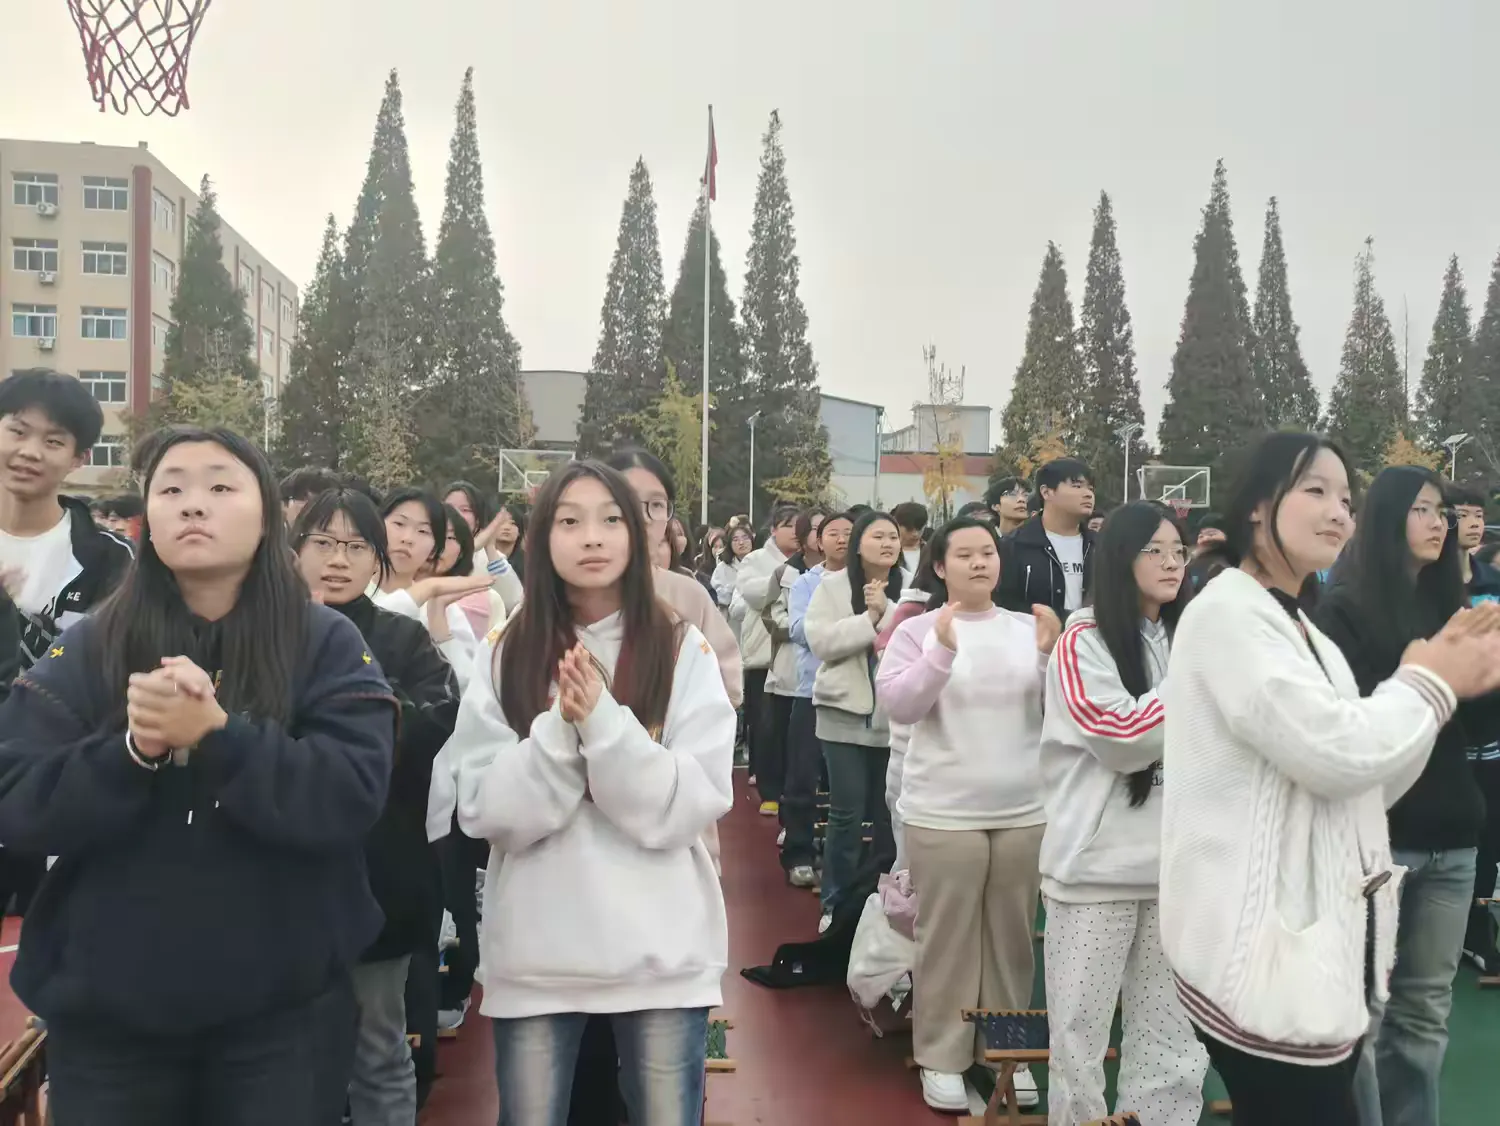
x,y
977,895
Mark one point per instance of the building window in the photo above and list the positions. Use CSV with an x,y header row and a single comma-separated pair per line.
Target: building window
x,y
163,212
285,355
104,258
106,193
268,342
103,324
247,280
288,314
268,299
107,386
109,453
163,273
33,320
31,188
34,255
159,330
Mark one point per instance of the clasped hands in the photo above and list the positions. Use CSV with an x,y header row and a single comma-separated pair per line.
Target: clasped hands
x,y
170,707
578,685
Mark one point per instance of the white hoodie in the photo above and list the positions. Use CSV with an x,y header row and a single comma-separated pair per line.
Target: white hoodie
x,y
1097,847
600,896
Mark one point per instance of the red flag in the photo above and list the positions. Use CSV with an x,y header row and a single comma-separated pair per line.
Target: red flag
x,y
710,179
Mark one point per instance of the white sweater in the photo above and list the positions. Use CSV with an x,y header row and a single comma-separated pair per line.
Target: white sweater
x,y
1277,776
600,896
1098,848
754,591
976,720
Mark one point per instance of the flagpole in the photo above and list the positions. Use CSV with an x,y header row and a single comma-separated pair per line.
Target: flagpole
x,y
707,312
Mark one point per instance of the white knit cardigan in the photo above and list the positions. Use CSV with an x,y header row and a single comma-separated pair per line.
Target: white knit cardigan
x,y
1276,779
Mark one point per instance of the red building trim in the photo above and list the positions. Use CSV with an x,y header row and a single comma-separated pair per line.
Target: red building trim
x,y
140,288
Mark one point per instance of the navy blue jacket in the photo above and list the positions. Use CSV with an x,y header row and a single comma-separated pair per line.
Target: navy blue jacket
x,y
207,893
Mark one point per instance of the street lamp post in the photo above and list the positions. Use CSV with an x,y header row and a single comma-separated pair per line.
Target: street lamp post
x,y
1126,434
1452,444
754,418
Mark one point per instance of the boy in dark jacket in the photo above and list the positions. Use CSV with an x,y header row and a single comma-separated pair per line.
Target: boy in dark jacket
x,y
1046,560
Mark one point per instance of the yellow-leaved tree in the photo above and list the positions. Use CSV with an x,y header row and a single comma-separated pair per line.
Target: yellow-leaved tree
x,y
672,429
1403,451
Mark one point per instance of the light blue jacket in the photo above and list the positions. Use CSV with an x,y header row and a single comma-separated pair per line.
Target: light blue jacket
x,y
796,605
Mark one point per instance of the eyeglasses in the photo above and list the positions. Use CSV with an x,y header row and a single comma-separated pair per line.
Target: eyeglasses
x,y
1159,555
1434,514
656,509
356,551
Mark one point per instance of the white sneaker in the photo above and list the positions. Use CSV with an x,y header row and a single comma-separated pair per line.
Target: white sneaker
x,y
825,922
942,1091
802,876
1026,1094
450,1019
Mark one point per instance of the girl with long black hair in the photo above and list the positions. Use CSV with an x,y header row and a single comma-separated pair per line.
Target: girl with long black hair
x,y
594,751
1278,889
844,617
1101,851
206,757
967,679
340,543
498,534
1399,581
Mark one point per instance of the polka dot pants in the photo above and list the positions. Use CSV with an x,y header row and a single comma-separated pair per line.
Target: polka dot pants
x,y
1097,953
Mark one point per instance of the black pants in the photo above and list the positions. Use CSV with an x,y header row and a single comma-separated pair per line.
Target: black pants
x,y
1480,938
422,988
755,690
596,1078
461,857
799,793
770,756
1269,1093
289,1068
20,875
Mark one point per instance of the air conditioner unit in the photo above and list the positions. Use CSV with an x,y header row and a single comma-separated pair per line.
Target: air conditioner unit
x,y
46,343
46,210
47,277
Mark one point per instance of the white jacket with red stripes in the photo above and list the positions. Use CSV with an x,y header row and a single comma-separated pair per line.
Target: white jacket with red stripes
x,y
1098,848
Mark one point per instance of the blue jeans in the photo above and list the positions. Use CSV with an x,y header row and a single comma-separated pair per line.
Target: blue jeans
x,y
1402,1058
856,790
661,1066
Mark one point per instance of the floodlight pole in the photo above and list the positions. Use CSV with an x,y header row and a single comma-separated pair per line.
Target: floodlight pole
x,y
1452,444
750,511
1126,433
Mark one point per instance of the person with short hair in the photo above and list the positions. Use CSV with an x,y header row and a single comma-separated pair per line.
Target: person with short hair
x,y
911,518
1045,562
301,485
1006,498
755,589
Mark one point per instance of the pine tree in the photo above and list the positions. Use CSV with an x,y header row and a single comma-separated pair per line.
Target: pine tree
x,y
1367,407
1213,405
1484,377
211,330
1218,202
729,391
1111,393
384,312
1285,385
1446,399
314,414
475,403
1044,391
627,367
791,449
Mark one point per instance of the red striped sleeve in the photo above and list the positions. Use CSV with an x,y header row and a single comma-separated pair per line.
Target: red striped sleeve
x,y
1090,718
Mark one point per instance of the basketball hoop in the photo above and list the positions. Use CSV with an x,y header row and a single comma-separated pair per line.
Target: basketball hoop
x,y
136,51
1181,506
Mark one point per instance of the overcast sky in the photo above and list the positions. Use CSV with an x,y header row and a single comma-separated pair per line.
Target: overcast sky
x,y
933,149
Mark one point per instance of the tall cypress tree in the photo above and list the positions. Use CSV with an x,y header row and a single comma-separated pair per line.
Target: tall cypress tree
x,y
1218,202
1367,407
211,332
728,388
1447,400
386,311
1484,375
627,369
1285,385
791,451
1044,391
475,403
314,411
1111,393
1213,405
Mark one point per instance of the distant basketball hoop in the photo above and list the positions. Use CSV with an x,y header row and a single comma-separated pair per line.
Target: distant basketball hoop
x,y
136,51
1181,507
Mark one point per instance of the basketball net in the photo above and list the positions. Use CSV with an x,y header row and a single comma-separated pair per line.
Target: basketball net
x,y
1181,507
136,51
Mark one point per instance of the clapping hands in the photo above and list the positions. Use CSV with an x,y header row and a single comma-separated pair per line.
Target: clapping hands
x,y
578,684
171,706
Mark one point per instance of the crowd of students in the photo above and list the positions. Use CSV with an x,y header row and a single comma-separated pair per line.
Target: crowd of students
x,y
254,750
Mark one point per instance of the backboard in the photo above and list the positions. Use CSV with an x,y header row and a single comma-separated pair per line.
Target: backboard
x,y
1183,487
523,472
